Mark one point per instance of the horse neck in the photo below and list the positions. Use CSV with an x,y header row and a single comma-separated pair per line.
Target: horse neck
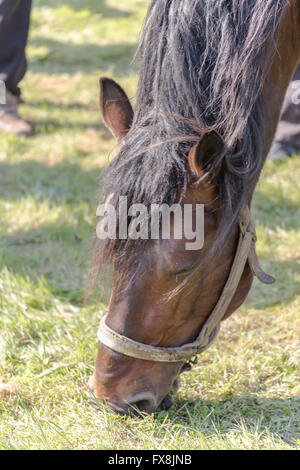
x,y
284,64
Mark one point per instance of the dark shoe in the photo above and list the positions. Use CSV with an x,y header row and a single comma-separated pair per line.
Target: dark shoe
x,y
10,120
281,150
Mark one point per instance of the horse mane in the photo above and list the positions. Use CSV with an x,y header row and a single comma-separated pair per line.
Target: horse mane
x,y
203,64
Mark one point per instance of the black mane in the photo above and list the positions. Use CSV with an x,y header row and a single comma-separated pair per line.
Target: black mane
x,y
202,67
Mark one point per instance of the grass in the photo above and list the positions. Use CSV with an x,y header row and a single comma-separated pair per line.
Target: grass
x,y
245,392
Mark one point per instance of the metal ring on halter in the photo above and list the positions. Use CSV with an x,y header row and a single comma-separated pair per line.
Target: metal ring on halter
x,y
245,252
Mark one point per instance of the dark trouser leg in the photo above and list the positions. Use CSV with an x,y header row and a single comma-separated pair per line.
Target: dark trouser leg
x,y
288,131
14,26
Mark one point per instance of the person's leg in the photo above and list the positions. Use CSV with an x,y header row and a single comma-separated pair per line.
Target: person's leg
x,y
14,27
287,139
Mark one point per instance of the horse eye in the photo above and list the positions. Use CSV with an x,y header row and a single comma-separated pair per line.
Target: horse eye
x,y
183,271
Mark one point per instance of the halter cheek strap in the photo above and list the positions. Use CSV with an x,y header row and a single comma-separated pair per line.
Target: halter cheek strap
x,y
246,251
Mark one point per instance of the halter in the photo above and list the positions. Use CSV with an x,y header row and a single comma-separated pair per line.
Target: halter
x,y
246,251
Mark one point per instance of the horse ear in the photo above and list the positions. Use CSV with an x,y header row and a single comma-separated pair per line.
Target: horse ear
x,y
204,152
115,108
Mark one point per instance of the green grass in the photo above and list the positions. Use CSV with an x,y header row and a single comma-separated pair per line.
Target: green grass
x,y
244,393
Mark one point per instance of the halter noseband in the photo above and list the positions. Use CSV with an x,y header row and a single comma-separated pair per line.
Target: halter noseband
x,y
246,251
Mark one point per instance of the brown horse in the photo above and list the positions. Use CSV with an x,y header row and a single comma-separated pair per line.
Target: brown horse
x,y
212,82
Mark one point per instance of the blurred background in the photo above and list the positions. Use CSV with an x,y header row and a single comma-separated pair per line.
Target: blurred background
x,y
244,393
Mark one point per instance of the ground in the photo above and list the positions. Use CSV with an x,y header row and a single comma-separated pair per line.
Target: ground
x,y
245,392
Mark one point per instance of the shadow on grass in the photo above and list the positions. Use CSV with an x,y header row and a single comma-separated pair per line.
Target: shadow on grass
x,y
278,418
61,254
56,105
65,182
66,57
285,289
276,212
95,6
59,251
51,126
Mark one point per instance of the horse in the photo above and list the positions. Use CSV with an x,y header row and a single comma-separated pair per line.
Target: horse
x,y
213,76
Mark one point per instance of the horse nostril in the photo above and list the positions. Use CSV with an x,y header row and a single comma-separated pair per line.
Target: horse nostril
x,y
143,403
166,403
143,406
